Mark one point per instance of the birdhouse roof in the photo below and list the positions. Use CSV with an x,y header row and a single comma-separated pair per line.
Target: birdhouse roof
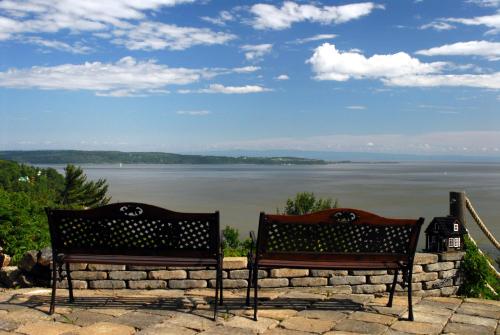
x,y
444,226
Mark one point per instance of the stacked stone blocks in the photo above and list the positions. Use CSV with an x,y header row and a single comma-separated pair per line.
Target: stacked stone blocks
x,y
433,275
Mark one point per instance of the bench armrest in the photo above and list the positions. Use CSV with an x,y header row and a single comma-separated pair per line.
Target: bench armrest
x,y
253,245
222,242
252,237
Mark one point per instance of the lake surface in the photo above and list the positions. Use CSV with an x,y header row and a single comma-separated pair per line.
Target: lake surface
x,y
240,192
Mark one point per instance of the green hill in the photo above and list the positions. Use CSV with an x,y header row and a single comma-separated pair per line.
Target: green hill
x,y
102,157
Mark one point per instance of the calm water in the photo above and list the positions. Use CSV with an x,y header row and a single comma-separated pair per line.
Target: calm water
x,y
240,192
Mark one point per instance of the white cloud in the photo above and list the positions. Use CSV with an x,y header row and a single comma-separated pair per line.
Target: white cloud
x,y
314,38
221,19
76,48
125,22
490,50
438,25
121,93
246,69
282,77
485,3
257,51
218,88
194,112
491,80
158,36
271,17
328,63
35,16
398,69
490,21
126,77
356,107
425,106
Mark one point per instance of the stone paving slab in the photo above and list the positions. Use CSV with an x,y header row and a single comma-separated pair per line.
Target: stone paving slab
x,y
104,328
415,327
259,326
46,328
192,321
362,327
282,311
139,320
429,318
323,314
467,329
374,317
317,326
475,320
471,309
283,331
166,329
83,318
277,314
225,330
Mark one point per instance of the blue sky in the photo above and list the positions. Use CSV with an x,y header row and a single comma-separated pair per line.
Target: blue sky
x,y
419,77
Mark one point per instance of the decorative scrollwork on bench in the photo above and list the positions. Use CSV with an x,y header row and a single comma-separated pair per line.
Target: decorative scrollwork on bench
x,y
345,217
131,210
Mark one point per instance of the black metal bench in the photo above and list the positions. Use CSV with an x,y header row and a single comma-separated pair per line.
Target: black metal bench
x,y
343,239
134,234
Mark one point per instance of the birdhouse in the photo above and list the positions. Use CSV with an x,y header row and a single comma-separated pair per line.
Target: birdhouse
x,y
445,234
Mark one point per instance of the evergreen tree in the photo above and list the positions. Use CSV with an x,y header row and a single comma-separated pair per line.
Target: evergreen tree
x,y
79,192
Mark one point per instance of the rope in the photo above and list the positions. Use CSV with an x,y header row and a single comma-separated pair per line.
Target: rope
x,y
480,223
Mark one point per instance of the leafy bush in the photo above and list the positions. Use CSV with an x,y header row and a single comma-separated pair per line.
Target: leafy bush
x,y
233,246
23,224
306,202
477,274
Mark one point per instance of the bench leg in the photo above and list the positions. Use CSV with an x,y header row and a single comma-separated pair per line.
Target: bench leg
x,y
393,287
410,306
255,289
250,279
216,301
221,285
54,287
70,283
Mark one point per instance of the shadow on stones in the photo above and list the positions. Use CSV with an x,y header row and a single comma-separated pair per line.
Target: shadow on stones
x,y
106,302
185,303
301,304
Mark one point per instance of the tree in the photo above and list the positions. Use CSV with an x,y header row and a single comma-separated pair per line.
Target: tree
x,y
233,246
79,192
306,202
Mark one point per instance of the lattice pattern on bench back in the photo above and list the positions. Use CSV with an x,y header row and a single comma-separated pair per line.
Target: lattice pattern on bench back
x,y
132,228
336,231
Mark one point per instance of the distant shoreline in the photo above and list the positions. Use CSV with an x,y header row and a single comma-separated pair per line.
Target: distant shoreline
x,y
271,157
118,157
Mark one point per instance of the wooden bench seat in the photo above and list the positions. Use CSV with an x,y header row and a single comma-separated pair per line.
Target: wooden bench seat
x,y
134,234
338,239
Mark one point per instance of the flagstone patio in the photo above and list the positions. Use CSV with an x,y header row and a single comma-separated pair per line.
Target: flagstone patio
x,y
287,311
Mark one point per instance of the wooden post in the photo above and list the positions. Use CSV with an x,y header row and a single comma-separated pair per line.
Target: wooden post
x,y
457,206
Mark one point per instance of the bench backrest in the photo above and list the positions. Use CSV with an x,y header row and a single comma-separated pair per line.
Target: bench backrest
x,y
134,229
341,230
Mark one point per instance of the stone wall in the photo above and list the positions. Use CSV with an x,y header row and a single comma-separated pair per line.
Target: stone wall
x,y
433,275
